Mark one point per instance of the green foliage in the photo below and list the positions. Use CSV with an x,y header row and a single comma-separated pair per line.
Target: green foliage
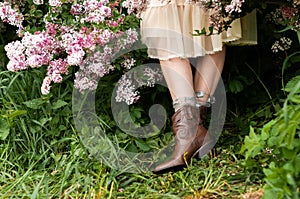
x,y
275,148
41,155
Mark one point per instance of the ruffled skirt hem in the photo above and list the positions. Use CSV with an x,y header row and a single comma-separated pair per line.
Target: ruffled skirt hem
x,y
167,32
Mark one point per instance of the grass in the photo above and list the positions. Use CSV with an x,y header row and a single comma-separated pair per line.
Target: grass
x,y
41,155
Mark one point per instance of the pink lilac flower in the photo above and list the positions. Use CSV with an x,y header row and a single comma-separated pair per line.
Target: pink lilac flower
x,y
65,29
99,69
76,9
43,47
11,16
75,54
217,18
117,22
288,12
15,53
51,29
14,49
56,68
104,37
95,11
39,47
98,64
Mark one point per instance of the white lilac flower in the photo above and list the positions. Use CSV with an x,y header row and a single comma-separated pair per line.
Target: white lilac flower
x,y
83,83
135,6
234,6
126,91
55,3
282,44
38,2
153,76
128,63
45,89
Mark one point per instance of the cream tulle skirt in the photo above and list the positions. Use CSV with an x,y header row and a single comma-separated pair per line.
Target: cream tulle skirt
x,y
167,29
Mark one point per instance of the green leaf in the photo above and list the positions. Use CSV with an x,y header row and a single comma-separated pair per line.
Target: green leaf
x,y
290,86
297,165
136,114
265,132
14,113
4,129
273,141
291,180
35,103
253,144
295,59
286,64
58,104
142,145
288,154
285,29
132,148
235,86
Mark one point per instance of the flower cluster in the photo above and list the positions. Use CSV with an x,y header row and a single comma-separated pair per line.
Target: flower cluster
x,y
135,6
55,3
99,62
234,6
282,44
128,63
11,15
222,13
286,15
127,90
94,11
81,33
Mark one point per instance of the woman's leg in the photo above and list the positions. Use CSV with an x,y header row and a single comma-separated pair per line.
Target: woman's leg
x,y
178,75
207,76
185,121
208,73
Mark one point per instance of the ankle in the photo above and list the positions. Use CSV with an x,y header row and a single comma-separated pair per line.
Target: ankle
x,y
184,101
204,99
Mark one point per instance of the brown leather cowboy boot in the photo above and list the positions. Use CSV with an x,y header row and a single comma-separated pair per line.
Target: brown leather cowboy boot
x,y
204,104
188,139
203,133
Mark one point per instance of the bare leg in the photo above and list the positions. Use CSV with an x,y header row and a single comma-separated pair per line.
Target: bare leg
x,y
207,76
178,75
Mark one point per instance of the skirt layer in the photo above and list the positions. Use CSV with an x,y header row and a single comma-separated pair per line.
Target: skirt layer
x,y
167,31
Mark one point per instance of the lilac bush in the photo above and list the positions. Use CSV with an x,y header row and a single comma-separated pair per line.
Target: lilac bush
x,y
87,34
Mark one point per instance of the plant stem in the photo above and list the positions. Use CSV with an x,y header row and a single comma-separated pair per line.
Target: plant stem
x,y
263,85
298,34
